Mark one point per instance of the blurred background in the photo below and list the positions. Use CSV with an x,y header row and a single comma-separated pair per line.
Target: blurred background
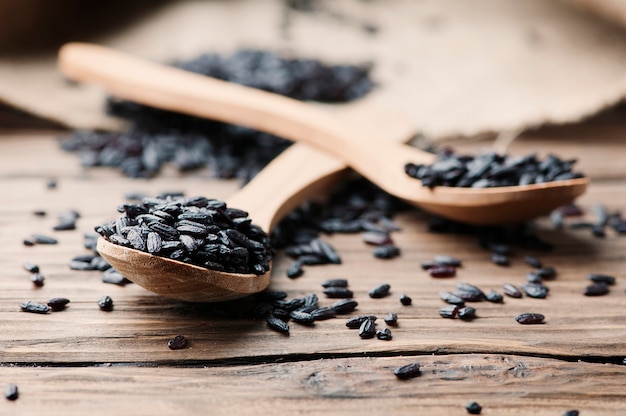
x,y
457,68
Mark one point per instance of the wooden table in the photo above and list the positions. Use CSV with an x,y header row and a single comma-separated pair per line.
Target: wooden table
x,y
85,361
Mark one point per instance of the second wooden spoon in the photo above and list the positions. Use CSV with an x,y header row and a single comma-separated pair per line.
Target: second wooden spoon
x,y
382,163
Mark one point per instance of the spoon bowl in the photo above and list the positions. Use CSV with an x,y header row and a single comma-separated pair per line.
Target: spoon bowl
x,y
379,161
175,279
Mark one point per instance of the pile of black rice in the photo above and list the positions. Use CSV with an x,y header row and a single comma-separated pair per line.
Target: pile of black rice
x,y
155,136
196,230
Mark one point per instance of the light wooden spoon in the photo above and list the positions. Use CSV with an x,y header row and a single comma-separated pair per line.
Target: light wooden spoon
x,y
382,163
296,175
285,183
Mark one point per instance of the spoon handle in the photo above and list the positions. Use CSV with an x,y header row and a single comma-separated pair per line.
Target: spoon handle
x,y
294,176
129,77
174,89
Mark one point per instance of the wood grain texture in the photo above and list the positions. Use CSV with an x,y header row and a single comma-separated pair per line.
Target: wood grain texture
x,y
146,321
502,384
86,360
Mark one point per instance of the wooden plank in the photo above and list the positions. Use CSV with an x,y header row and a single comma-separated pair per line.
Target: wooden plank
x,y
85,361
502,384
141,323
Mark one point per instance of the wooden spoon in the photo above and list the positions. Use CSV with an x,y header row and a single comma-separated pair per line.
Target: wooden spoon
x,y
285,183
383,164
294,176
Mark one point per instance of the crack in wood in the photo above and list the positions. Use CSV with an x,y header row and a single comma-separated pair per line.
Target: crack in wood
x,y
517,368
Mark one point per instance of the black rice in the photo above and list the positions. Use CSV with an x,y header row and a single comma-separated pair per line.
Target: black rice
x,y
295,270
391,319
535,290
602,278
31,267
451,298
85,258
597,230
533,277
426,265
81,265
217,239
67,221
511,290
493,296
311,300
344,305
473,408
105,303
466,313
407,371
43,239
277,325
281,314
99,263
357,206
177,343
34,307
499,259
546,272
596,289
58,304
570,210
301,317
367,329
114,277
384,334
533,262
338,292
442,271
37,279
324,313
469,292
449,311
322,247
446,260
289,305
335,283
380,291
405,300
356,321
530,318
11,392
377,238
491,170
386,251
